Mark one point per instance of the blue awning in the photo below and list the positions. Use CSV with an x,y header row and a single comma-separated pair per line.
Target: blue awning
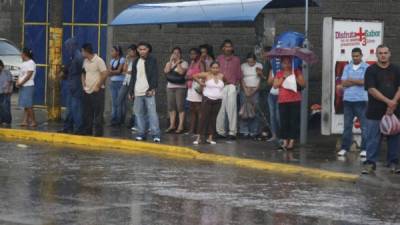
x,y
204,11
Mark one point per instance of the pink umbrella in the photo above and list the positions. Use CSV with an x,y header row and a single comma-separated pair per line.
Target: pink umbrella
x,y
302,53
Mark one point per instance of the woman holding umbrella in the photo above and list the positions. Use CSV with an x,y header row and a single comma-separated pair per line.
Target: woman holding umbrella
x,y
289,81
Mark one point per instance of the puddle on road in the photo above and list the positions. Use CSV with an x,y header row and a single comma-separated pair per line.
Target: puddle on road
x,y
43,186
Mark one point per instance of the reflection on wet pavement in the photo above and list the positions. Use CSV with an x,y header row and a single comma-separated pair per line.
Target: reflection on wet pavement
x,y
50,185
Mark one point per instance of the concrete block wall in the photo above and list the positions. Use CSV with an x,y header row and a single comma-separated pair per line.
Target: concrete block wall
x,y
11,20
164,38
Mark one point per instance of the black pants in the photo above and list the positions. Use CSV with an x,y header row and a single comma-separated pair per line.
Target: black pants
x,y
208,116
93,108
290,120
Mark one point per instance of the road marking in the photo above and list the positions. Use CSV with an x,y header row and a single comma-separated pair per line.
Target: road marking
x,y
170,151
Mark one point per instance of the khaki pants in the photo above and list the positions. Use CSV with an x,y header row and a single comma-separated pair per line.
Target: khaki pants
x,y
228,111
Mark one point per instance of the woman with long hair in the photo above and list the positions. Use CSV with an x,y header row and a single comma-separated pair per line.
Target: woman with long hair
x,y
213,82
193,96
176,92
26,85
117,77
123,92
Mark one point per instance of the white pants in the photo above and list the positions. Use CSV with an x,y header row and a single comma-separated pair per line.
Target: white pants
x,y
228,110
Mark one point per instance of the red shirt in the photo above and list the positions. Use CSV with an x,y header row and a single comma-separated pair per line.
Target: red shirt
x,y
286,95
230,68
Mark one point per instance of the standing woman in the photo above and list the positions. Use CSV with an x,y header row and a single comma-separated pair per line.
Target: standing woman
x,y
26,85
289,103
193,96
117,77
123,92
213,82
176,91
250,84
207,55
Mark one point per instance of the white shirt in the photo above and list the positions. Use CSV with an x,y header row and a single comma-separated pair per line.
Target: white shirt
x,y
141,85
355,67
128,75
93,67
27,66
250,77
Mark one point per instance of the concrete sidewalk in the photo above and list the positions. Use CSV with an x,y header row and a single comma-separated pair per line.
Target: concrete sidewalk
x,y
320,153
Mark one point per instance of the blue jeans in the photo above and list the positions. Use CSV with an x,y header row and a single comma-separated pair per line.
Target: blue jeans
x,y
74,119
116,107
273,106
122,103
351,110
249,126
373,143
5,108
145,109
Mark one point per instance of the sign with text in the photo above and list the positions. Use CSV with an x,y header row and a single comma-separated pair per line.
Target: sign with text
x,y
349,34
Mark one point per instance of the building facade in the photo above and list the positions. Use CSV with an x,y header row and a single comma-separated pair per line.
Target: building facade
x,y
247,37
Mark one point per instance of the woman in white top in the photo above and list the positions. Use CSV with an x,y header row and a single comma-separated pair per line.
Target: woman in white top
x,y
26,85
250,83
213,82
176,92
123,92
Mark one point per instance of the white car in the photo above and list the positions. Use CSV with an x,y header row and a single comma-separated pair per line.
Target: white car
x,y
11,57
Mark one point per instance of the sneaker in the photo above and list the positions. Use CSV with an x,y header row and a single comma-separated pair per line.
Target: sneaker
x,y
211,142
272,139
196,142
342,152
394,168
368,168
139,138
363,153
134,129
156,140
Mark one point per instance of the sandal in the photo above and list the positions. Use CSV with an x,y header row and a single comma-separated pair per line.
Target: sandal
x,y
290,148
23,124
179,131
284,148
169,130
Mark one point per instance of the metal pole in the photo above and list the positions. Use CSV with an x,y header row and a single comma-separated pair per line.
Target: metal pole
x,y
304,105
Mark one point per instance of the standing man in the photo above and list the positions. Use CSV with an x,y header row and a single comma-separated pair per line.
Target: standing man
x,y
6,88
355,100
231,69
72,74
142,87
93,78
382,80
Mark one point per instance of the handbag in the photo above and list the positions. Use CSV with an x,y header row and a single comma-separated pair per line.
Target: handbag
x,y
174,77
197,87
247,111
390,125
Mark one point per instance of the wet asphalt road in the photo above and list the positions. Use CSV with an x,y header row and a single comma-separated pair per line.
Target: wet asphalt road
x,y
55,186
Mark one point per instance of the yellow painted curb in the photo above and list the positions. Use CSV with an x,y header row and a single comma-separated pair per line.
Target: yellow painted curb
x,y
170,151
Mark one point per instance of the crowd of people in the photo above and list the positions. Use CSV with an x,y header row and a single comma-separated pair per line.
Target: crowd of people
x,y
222,96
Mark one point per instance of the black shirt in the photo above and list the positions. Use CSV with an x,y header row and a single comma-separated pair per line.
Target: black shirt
x,y
386,81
